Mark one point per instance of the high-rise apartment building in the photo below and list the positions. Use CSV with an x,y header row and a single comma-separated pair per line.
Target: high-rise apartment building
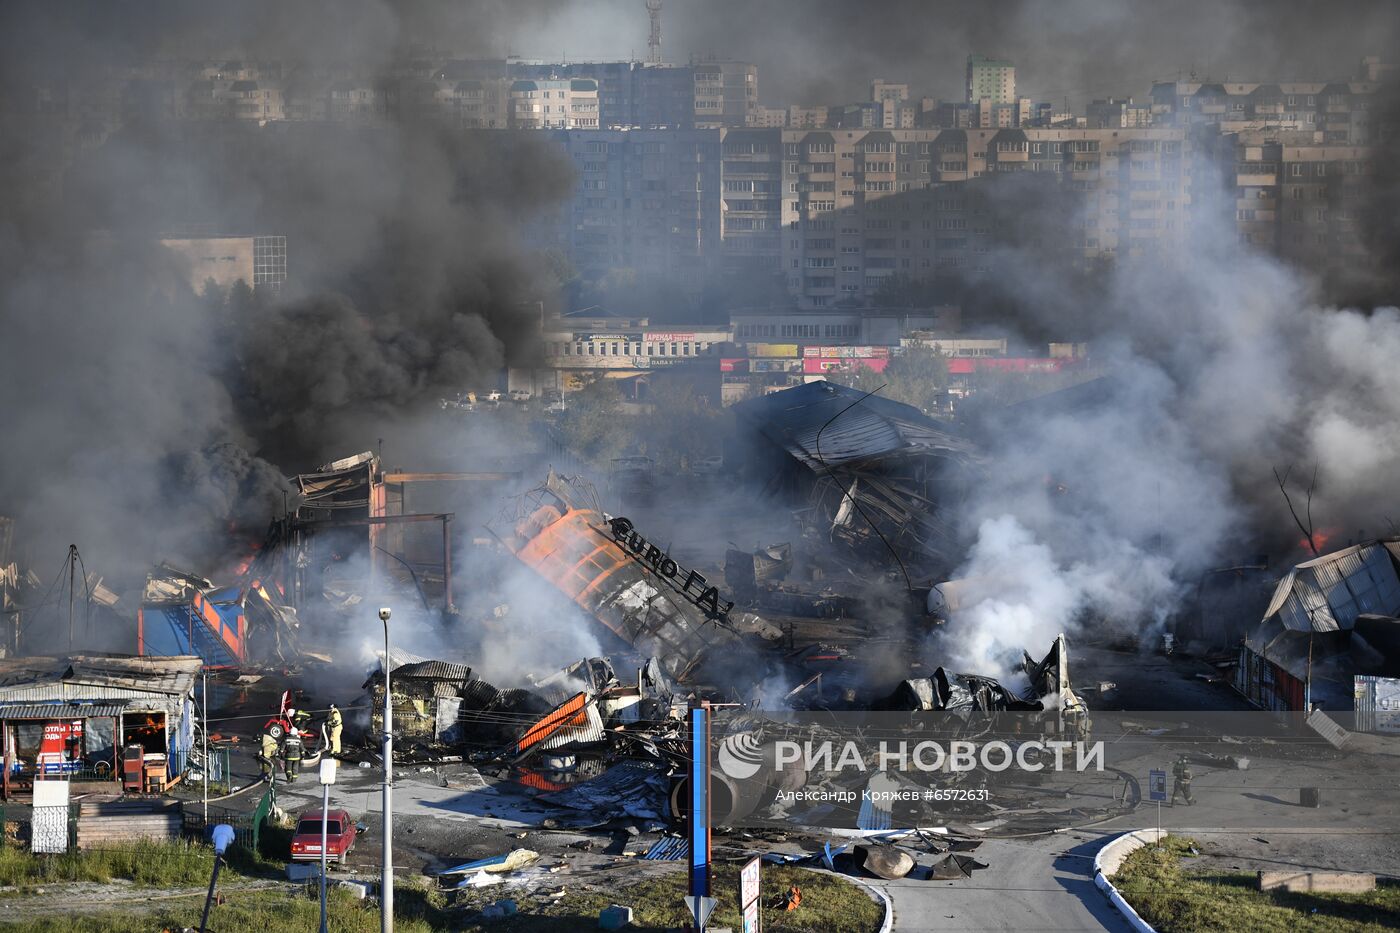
x,y
752,178
892,99
810,118
990,79
549,104
630,94
860,207
1341,111
726,93
1116,112
647,200
1299,198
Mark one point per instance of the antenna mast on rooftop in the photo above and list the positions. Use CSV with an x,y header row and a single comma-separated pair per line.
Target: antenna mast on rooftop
x,y
654,41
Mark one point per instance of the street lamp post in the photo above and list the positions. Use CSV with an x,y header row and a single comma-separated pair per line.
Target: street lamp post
x,y
327,779
386,884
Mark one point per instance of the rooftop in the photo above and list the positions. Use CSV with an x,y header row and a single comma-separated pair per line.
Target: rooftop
x,y
173,675
826,425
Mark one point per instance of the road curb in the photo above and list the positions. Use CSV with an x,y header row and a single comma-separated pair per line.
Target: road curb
x,y
876,894
1109,859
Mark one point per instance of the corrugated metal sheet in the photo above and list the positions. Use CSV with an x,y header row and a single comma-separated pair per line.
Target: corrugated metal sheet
x,y
435,670
870,430
150,675
47,693
477,693
668,849
1327,594
630,781
61,710
146,675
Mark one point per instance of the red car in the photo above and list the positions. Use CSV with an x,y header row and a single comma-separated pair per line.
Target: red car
x,y
340,836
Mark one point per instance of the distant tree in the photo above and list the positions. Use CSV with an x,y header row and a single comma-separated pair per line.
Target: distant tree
x,y
679,427
917,377
242,298
591,424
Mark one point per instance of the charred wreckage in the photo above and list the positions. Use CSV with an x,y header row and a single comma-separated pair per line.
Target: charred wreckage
x,y
873,485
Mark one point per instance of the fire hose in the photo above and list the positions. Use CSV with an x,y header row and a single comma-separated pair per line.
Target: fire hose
x,y
310,761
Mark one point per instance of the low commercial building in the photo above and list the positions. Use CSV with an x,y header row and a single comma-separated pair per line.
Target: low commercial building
x,y
775,350
592,343
116,721
259,261
957,346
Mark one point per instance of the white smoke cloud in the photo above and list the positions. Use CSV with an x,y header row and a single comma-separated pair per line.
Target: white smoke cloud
x,y
1022,596
1100,520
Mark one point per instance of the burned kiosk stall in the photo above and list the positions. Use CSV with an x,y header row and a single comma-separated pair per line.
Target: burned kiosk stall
x,y
85,717
429,698
1334,621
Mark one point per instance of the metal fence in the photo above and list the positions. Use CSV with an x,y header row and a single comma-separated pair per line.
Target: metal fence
x,y
247,827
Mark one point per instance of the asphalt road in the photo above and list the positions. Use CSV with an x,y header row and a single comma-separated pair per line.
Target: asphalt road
x,y
1030,885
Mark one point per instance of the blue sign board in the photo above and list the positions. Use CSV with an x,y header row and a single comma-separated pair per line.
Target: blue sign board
x,y
1157,785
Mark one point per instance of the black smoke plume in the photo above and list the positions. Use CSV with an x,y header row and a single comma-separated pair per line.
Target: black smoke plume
x,y
144,417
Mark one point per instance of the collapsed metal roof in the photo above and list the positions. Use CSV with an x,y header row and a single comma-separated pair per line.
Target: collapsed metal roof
x,y
1328,593
434,670
825,425
330,485
31,676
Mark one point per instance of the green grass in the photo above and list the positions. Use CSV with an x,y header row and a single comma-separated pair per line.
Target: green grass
x,y
163,864
263,911
829,904
1174,899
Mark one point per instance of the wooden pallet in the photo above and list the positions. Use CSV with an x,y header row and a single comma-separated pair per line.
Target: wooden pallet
x,y
107,823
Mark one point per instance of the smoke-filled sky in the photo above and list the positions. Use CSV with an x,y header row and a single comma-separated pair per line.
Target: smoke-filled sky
x,y
826,51
809,51
1226,366
143,421
139,419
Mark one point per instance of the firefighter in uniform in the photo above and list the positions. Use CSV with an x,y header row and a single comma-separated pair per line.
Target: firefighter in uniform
x,y
1181,783
334,723
291,753
1085,727
267,756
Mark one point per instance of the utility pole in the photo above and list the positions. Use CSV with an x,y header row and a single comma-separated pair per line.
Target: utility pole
x,y
204,739
72,567
386,884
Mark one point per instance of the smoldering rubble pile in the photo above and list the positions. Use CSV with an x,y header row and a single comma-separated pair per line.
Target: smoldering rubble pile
x,y
581,738
595,739
875,475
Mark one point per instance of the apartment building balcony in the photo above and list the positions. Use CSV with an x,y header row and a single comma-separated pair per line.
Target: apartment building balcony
x,y
1259,180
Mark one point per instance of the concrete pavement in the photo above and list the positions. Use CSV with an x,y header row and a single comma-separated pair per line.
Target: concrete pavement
x,y
1031,885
